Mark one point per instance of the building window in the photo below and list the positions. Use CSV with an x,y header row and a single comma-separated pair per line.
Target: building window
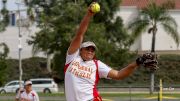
x,y
12,20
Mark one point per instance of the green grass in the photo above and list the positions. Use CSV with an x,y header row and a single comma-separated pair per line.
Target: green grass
x,y
105,95
53,94
139,95
108,94
40,94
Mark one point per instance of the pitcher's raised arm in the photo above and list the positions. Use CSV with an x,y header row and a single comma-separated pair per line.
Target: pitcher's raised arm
x,y
79,36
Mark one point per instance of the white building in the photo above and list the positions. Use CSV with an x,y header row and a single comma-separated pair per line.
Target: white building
x,y
164,42
11,35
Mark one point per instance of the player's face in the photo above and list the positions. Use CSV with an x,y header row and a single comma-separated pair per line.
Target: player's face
x,y
28,87
87,53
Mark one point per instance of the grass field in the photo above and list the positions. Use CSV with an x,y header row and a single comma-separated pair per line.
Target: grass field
x,y
106,97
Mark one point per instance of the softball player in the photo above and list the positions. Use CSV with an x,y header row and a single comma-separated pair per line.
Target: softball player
x,y
82,70
27,94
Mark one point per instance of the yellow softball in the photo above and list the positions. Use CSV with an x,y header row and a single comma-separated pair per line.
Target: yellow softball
x,y
95,7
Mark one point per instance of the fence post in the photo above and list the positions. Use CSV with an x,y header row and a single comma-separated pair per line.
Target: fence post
x,y
130,93
160,91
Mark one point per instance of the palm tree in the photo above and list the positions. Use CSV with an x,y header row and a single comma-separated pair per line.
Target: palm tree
x,y
148,19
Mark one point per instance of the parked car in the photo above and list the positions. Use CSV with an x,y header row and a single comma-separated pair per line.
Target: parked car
x,y
45,85
12,86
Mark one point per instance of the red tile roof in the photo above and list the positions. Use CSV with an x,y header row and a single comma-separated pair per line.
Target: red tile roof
x,y
143,3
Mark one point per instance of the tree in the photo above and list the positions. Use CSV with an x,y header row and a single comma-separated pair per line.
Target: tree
x,y
3,65
4,19
59,20
149,19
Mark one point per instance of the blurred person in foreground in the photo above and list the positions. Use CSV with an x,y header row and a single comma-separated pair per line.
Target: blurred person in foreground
x,y
27,94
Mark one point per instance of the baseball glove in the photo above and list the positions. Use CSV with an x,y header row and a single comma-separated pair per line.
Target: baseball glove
x,y
148,60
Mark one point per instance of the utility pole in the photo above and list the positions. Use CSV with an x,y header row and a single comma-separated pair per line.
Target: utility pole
x,y
19,46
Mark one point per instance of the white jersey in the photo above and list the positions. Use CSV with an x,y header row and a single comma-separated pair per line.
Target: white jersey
x,y
32,96
81,77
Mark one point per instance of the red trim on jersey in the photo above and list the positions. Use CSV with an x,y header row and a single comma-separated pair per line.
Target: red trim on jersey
x,y
66,66
33,94
95,92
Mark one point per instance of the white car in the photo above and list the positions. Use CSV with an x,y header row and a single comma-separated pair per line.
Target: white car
x,y
45,85
12,86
